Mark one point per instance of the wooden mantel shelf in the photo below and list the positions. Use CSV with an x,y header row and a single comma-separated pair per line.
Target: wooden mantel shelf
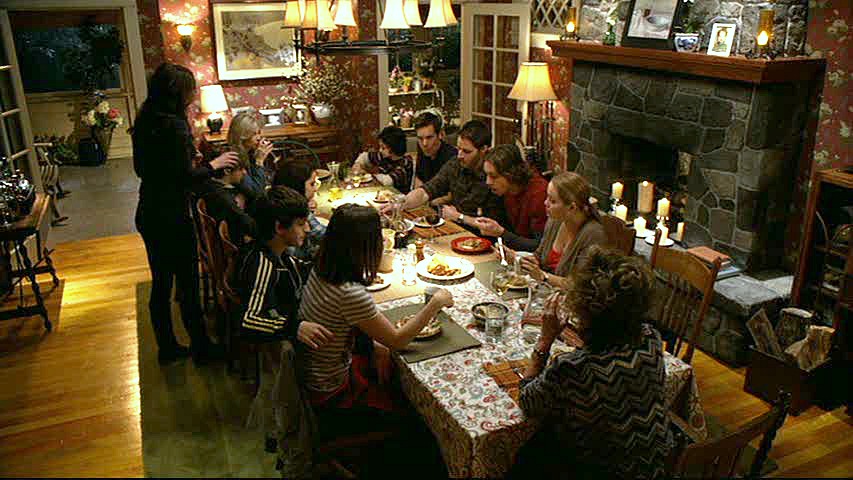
x,y
780,70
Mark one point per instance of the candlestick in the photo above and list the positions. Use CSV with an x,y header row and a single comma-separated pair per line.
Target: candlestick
x,y
645,196
640,226
679,232
616,190
622,212
664,233
571,25
663,207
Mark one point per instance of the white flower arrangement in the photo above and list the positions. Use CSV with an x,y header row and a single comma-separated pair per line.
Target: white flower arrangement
x,y
102,116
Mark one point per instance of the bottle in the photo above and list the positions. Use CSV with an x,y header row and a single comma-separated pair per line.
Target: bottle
x,y
409,261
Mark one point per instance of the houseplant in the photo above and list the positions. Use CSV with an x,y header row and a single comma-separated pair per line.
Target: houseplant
x,y
687,32
321,87
102,119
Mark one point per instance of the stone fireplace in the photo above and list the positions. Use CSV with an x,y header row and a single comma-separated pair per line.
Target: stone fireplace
x,y
739,144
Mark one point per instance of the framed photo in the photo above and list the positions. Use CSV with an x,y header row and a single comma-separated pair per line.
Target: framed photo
x,y
722,39
272,116
250,42
300,114
650,23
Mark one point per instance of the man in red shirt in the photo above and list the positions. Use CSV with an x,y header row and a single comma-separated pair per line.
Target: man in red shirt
x,y
508,175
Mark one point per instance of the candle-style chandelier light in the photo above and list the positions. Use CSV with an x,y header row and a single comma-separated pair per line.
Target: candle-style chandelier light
x,y
323,17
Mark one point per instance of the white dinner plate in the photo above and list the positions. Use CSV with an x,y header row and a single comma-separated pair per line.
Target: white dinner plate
x,y
421,222
465,267
664,242
383,284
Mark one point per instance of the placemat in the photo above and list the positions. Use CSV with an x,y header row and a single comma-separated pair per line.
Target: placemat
x,y
507,375
482,271
449,228
453,337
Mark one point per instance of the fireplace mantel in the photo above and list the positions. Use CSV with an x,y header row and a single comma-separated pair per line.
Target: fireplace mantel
x,y
755,71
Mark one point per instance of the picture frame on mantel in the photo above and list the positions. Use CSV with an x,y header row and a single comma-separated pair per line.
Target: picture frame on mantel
x,y
650,23
250,42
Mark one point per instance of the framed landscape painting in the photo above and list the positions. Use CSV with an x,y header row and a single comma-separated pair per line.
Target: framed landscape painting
x,y
650,23
251,43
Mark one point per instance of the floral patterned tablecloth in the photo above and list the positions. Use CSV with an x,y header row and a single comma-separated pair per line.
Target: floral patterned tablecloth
x,y
478,426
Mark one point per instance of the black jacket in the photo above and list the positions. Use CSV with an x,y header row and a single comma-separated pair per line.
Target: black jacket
x,y
221,205
270,288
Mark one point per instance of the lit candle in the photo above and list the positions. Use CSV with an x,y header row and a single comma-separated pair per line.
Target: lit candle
x,y
763,38
640,226
570,27
616,190
622,213
679,232
664,233
663,208
645,197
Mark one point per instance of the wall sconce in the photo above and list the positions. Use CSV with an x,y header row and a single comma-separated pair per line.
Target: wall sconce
x,y
571,32
185,30
765,33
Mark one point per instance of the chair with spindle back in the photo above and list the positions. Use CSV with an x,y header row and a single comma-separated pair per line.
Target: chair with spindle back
x,y
685,289
206,267
620,237
719,458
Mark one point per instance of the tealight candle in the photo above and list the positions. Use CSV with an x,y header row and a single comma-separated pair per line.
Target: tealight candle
x,y
640,226
622,213
616,191
679,232
645,196
663,208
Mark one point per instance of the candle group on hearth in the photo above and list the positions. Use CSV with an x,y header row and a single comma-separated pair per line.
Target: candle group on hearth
x,y
616,191
663,208
645,196
664,231
679,232
622,213
640,226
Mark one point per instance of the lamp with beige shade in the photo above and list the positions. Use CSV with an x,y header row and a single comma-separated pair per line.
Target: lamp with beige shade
x,y
213,102
533,84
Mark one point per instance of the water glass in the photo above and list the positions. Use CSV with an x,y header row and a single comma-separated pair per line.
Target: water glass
x,y
494,329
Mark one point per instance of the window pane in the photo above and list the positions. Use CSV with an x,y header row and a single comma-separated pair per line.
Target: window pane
x,y
508,32
482,98
504,131
504,107
7,91
15,133
507,67
484,31
483,65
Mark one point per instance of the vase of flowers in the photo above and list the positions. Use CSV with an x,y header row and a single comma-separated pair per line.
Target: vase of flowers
x,y
395,80
686,38
102,119
321,87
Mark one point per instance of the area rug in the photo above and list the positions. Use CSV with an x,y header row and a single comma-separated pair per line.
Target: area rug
x,y
193,417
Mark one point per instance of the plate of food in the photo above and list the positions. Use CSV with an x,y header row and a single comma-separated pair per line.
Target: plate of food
x,y
322,173
380,283
424,221
404,225
517,282
431,329
440,267
471,245
361,178
384,196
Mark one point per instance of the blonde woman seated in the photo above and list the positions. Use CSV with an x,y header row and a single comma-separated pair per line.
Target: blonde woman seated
x,y
601,406
244,137
573,227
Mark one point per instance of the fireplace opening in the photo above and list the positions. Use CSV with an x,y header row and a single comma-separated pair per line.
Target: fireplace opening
x,y
636,160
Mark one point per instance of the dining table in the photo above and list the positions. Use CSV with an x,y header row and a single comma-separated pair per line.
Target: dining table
x,y
477,424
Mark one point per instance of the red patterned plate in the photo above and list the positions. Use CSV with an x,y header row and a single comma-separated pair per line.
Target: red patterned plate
x,y
471,245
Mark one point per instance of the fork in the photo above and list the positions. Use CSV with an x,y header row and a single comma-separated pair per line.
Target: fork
x,y
501,249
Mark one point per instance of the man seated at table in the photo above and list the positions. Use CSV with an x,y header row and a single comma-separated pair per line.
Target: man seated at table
x,y
463,177
601,406
523,191
433,151
220,195
391,165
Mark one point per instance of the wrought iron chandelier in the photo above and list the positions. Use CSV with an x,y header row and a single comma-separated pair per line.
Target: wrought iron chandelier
x,y
398,15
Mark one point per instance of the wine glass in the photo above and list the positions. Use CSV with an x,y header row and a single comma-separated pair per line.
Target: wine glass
x,y
433,218
499,281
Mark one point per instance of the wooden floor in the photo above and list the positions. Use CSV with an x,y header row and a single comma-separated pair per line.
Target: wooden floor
x,y
69,400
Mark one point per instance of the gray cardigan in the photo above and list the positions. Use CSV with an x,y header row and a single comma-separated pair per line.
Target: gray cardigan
x,y
591,233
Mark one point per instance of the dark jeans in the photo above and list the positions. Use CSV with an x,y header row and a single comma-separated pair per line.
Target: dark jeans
x,y
172,256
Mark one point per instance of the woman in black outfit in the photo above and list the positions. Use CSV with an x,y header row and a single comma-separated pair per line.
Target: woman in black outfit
x,y
163,153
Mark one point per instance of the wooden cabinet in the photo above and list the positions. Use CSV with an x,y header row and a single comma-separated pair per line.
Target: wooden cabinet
x,y
324,141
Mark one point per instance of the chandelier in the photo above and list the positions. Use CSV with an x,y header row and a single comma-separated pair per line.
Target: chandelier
x,y
399,15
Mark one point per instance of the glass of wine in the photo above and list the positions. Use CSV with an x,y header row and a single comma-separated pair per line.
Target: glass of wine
x,y
433,218
500,282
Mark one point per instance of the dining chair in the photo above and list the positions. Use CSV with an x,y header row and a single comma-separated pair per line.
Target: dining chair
x,y
683,295
719,458
205,266
621,237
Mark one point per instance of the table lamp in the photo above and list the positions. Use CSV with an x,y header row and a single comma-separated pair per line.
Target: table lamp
x,y
213,102
533,84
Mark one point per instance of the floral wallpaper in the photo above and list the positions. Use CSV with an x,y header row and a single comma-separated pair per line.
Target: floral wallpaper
x,y
161,42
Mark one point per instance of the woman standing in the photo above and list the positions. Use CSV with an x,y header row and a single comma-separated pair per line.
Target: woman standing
x,y
163,155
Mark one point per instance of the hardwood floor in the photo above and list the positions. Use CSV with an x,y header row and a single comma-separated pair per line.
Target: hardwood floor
x,y
70,403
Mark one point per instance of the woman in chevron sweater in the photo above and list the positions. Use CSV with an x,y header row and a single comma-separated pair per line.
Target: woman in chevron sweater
x,y
602,404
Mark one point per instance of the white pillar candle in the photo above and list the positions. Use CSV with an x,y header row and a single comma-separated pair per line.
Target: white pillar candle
x,y
616,191
664,233
679,232
663,208
622,213
645,196
640,226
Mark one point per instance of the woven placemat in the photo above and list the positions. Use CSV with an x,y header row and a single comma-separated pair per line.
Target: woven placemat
x,y
453,337
507,375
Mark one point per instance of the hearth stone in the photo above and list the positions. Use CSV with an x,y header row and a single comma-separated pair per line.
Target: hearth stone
x,y
637,83
720,160
582,73
722,184
685,107
721,224
744,240
734,91
735,135
773,113
749,172
731,9
627,99
696,183
696,86
741,110
593,21
714,138
717,113
727,204
747,209
660,96
702,218
586,132
578,96
796,29
605,83
594,110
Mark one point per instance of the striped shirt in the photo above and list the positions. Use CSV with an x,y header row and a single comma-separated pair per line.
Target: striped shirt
x,y
339,308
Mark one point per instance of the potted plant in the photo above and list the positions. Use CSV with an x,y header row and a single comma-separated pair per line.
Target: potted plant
x,y
395,81
102,119
687,32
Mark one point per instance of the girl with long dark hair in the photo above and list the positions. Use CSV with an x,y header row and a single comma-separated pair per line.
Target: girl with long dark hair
x,y
163,153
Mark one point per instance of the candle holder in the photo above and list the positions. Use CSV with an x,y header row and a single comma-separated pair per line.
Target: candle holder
x,y
764,36
661,222
571,30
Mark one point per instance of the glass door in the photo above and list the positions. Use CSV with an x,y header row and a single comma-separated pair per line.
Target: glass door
x,y
495,40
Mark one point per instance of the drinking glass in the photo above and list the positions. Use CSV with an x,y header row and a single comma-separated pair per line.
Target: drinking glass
x,y
433,218
499,281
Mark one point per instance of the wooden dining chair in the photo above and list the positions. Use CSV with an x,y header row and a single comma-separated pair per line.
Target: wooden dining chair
x,y
621,237
684,291
205,266
719,458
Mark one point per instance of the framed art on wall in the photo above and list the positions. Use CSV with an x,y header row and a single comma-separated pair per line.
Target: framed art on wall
x,y
722,39
251,43
650,22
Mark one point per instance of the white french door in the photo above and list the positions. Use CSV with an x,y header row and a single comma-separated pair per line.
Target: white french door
x,y
495,40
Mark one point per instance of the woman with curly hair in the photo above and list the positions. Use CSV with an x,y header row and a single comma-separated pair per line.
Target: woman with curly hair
x,y
603,403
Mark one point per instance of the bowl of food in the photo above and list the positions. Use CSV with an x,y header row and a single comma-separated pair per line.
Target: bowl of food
x,y
431,329
488,310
